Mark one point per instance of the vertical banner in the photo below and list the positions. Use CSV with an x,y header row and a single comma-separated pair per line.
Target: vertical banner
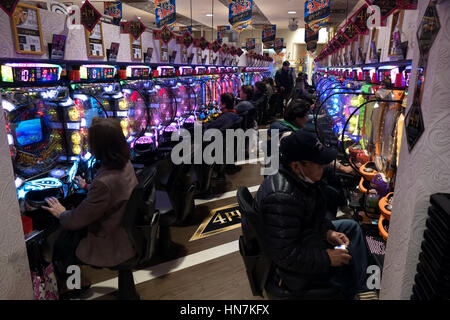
x,y
278,45
240,14
311,37
317,12
165,13
268,35
113,9
250,44
221,32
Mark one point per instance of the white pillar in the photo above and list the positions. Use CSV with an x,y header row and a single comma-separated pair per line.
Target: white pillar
x,y
15,279
423,171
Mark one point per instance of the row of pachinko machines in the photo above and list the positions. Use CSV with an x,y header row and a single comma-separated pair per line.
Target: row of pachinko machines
x,y
48,109
364,110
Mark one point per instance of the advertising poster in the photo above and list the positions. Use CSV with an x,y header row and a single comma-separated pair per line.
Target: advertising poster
x,y
165,13
240,14
58,46
27,29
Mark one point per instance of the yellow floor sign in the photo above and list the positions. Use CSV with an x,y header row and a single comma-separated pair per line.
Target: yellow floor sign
x,y
219,220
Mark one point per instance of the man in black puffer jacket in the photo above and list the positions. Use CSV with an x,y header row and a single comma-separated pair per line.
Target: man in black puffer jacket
x,y
298,238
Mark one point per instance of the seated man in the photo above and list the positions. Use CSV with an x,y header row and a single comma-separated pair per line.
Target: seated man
x,y
246,95
295,118
298,238
228,116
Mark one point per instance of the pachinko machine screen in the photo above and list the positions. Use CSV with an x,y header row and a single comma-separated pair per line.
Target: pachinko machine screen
x,y
185,71
166,71
138,72
30,72
97,72
29,132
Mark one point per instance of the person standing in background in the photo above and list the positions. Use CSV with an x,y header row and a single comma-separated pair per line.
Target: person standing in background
x,y
284,79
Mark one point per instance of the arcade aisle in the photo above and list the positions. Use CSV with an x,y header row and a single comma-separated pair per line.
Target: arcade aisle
x,y
136,136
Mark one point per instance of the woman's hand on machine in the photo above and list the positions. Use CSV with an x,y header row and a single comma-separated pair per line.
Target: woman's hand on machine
x,y
80,182
54,207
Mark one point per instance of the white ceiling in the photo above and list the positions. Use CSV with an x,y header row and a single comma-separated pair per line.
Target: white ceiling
x,y
265,11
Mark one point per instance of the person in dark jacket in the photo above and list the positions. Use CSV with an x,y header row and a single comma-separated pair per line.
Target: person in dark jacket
x,y
295,118
245,105
284,79
228,116
260,100
298,238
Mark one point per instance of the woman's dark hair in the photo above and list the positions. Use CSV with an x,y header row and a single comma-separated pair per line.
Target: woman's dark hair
x,y
228,100
107,143
296,109
261,86
248,90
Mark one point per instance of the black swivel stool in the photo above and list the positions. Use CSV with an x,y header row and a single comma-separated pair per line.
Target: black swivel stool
x,y
257,263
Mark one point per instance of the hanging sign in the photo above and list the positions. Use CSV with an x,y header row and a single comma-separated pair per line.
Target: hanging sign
x,y
342,39
239,52
268,34
203,43
386,7
360,19
351,31
311,46
240,14
113,9
89,16
165,13
187,39
224,49
221,32
8,6
136,28
317,12
165,35
310,34
233,50
426,35
278,45
407,4
250,44
216,46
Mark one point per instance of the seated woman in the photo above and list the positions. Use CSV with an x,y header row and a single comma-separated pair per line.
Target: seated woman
x,y
228,116
92,233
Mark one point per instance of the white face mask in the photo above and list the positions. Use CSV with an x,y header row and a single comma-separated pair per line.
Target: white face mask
x,y
304,177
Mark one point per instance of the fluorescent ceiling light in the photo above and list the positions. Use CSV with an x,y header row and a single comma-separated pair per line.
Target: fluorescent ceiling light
x,y
209,14
292,12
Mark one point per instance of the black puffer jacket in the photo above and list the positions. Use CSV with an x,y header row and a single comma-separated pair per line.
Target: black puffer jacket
x,y
293,215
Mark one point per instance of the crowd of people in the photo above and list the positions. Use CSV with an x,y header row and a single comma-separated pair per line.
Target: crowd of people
x,y
296,208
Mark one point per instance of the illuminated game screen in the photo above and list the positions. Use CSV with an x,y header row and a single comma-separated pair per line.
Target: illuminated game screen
x,y
29,132
384,76
139,72
30,73
100,73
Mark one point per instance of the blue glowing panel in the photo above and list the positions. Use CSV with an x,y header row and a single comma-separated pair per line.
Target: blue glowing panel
x,y
28,132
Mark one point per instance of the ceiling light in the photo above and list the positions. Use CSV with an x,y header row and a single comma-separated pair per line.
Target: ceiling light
x,y
292,12
209,14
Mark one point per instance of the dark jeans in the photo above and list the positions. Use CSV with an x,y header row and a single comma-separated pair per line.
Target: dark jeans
x,y
351,279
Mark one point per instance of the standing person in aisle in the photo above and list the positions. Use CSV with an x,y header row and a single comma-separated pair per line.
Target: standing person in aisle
x,y
284,78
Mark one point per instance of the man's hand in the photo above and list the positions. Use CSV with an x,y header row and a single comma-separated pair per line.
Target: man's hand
x,y
337,238
55,207
338,257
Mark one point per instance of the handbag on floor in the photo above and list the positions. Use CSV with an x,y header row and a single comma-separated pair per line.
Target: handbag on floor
x,y
44,283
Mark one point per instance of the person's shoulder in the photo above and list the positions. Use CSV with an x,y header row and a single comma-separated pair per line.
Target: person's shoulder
x,y
275,186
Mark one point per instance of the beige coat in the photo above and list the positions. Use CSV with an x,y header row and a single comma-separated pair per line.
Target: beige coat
x,y
107,243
